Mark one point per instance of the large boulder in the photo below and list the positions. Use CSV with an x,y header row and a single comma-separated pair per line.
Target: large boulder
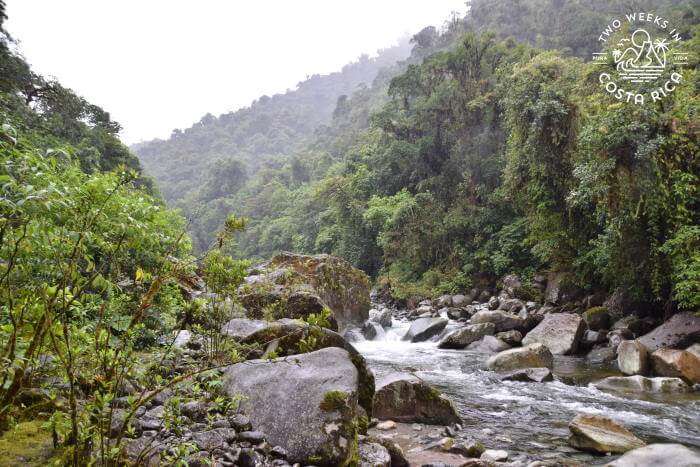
x,y
404,397
339,286
307,405
632,358
289,337
502,320
531,356
639,383
374,455
601,435
462,337
658,455
560,332
676,363
678,332
423,329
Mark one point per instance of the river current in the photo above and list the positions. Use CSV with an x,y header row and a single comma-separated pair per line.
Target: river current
x,y
530,420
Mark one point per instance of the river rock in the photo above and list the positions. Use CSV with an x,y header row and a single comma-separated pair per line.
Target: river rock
x,y
341,287
597,318
512,285
537,375
511,338
488,344
676,363
493,303
601,355
531,356
372,330
240,328
658,455
460,338
374,455
302,303
591,338
502,320
632,358
560,332
406,398
494,455
213,439
678,332
444,301
461,300
382,317
307,406
601,435
423,329
641,383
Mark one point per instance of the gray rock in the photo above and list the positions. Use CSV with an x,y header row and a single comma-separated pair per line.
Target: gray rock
x,y
196,410
240,328
642,384
460,300
531,356
591,338
144,451
632,358
382,317
512,285
307,404
560,332
493,303
601,435
253,437
462,337
374,455
678,332
406,398
659,455
511,338
217,438
537,375
372,330
503,320
488,344
423,329
601,355
444,301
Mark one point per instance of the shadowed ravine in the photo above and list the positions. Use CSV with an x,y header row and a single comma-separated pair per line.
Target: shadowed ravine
x,y
530,420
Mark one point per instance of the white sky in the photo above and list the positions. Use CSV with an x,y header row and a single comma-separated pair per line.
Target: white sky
x,y
156,65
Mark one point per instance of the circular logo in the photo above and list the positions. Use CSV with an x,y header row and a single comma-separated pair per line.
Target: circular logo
x,y
644,65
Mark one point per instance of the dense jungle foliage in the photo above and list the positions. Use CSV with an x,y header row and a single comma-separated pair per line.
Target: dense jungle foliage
x,y
484,154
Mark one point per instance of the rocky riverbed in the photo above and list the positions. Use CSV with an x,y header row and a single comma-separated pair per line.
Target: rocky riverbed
x,y
528,420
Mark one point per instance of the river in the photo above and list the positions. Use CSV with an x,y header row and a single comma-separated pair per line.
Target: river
x,y
530,420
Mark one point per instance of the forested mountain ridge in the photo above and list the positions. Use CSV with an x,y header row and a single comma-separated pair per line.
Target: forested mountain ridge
x,y
269,127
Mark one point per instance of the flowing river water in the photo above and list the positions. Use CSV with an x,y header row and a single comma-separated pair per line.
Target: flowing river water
x,y
530,420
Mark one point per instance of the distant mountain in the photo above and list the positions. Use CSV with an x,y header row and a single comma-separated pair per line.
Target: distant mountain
x,y
270,127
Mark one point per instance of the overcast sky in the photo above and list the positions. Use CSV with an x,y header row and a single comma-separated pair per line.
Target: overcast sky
x,y
157,65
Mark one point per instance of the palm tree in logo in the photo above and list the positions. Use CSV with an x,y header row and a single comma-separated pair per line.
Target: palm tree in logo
x,y
616,54
661,47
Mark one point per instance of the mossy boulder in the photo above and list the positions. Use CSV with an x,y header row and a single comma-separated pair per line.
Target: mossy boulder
x,y
597,318
293,286
404,397
307,404
291,337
